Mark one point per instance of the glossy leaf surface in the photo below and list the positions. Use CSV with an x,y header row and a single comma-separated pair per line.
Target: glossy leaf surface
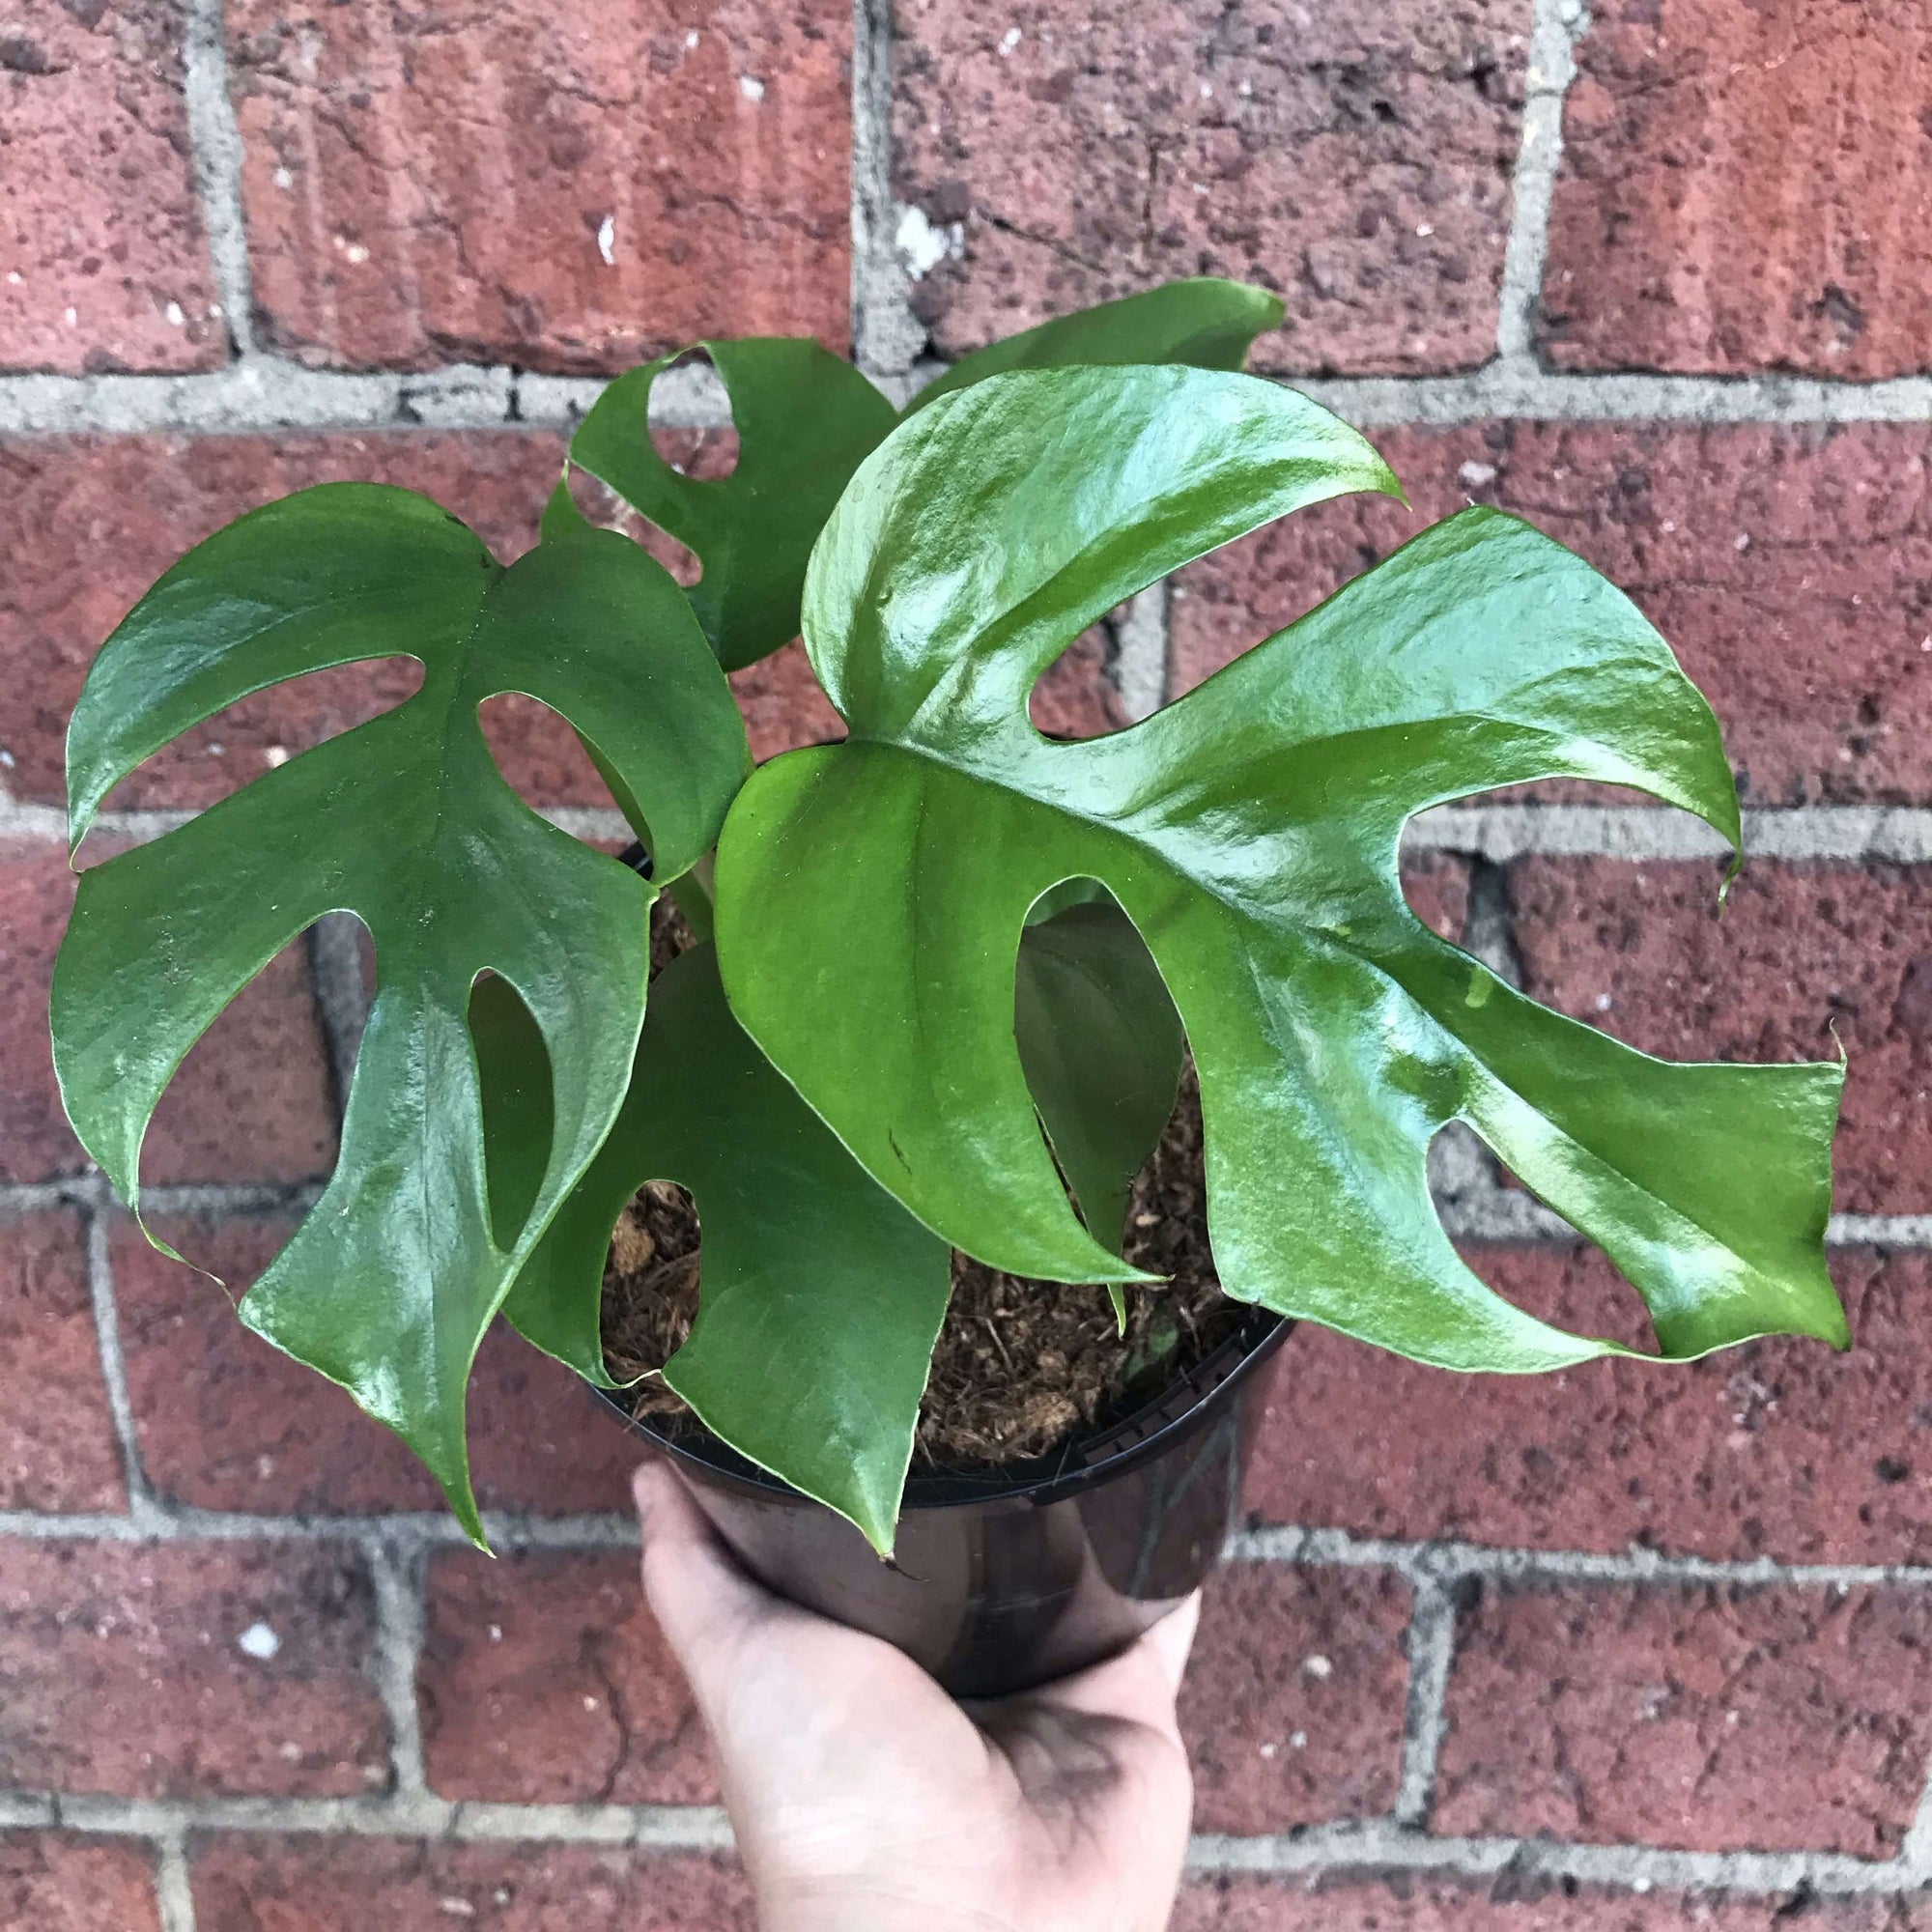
x,y
387,1285
871,895
1205,322
806,421
820,1296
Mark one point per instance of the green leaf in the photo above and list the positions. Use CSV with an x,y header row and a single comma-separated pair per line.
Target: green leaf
x,y
1102,1050
388,1284
806,421
821,1298
1205,322
871,895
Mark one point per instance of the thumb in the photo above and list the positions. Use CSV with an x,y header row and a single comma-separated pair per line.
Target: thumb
x,y
705,1605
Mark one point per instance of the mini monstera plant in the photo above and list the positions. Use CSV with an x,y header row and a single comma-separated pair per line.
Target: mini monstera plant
x,y
947,968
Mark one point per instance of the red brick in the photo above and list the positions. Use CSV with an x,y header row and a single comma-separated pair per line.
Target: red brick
x,y
1436,886
1703,1718
1806,957
100,234
1788,567
1293,1705
251,1102
545,1680
782,704
1746,186
1075,697
126,1671
245,1883
1778,1449
1357,160
434,186
227,1422
54,1882
57,1447
1517,1902
103,516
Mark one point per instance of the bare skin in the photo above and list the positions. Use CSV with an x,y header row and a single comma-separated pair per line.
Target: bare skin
x,y
865,1799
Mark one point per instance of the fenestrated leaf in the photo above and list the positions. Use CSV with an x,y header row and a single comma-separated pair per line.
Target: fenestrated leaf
x,y
1203,321
820,1296
1102,1049
1250,832
387,1285
806,421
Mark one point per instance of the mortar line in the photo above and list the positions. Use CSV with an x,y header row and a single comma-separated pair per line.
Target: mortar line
x,y
1849,833
113,1364
1431,1645
886,336
1366,1848
215,138
1446,1561
1138,669
174,1892
397,1568
334,947
260,394
1539,156
1376,1848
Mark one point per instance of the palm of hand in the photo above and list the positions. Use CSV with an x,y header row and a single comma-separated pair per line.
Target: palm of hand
x,y
865,1799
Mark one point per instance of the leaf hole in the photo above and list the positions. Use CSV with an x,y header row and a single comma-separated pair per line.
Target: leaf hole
x,y
216,757
691,422
540,755
254,1100
515,1082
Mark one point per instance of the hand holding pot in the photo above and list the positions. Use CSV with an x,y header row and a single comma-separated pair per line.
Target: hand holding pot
x,y
865,1799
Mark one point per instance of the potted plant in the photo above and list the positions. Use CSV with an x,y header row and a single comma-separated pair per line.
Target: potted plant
x,y
940,981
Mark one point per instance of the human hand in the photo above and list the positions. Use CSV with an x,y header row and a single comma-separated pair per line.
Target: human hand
x,y
865,1799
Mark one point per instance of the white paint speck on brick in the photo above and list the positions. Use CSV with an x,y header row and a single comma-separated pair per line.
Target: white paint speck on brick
x,y
258,1641
1009,41
750,87
922,246
607,241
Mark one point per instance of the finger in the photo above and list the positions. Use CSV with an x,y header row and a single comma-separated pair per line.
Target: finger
x,y
703,1600
1172,1638
1139,1685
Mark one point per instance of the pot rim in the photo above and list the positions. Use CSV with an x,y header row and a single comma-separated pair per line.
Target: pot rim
x,y
1081,1464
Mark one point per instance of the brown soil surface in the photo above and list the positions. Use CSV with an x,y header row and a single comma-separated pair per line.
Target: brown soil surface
x,y
1020,1365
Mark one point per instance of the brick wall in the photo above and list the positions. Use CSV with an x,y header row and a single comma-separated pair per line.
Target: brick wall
x,y
1607,1651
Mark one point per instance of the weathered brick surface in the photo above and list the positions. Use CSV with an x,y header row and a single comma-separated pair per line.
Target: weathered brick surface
x,y
560,189
177,1669
545,1680
1804,957
1788,567
782,704
103,261
227,1422
250,1103
1781,1449
1436,886
57,1881
1355,159
1292,1704
245,1884
57,1448
102,517
1429,1902
1744,188
1707,1718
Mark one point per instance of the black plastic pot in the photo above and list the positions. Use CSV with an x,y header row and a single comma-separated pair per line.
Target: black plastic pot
x,y
1004,1579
